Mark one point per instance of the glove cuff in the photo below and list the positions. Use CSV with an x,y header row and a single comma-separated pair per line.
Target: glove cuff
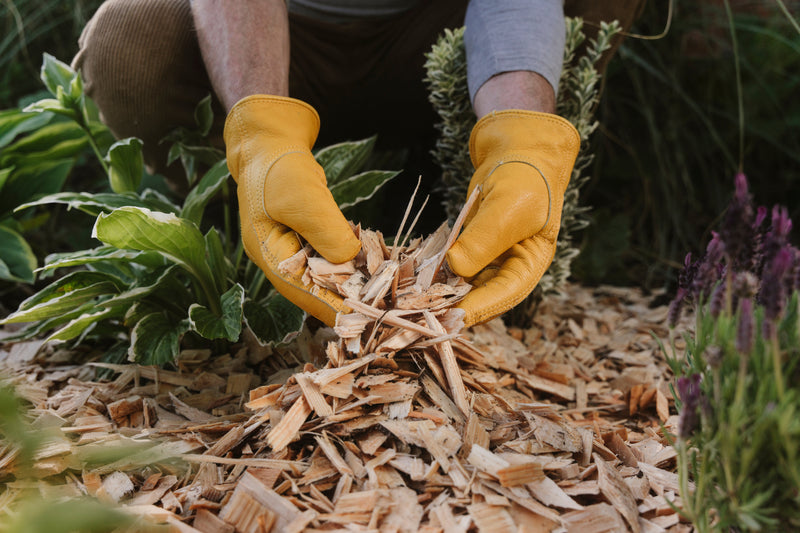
x,y
272,123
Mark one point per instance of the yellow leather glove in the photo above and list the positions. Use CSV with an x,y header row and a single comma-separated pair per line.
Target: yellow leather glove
x,y
523,163
283,190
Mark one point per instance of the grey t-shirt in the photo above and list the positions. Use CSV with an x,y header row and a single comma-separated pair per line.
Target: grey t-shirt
x,y
500,35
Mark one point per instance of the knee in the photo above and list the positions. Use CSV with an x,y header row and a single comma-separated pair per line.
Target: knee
x,y
128,43
141,64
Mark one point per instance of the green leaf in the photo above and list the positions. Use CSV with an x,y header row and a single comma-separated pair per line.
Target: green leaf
x,y
85,257
56,74
26,184
40,327
64,295
52,141
146,285
229,325
93,204
207,187
83,322
204,116
155,340
274,321
125,165
4,174
14,122
340,161
177,239
220,267
18,260
156,201
84,514
360,187
52,105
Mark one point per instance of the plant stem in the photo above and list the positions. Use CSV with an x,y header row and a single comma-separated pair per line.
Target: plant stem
x,y
777,363
789,16
94,146
739,97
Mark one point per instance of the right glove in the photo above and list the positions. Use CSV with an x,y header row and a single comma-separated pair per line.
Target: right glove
x,y
523,162
282,190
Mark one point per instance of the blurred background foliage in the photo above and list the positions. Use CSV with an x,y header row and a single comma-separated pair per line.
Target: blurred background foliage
x,y
668,144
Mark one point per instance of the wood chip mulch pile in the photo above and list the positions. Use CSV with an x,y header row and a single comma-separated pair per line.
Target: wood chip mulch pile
x,y
395,420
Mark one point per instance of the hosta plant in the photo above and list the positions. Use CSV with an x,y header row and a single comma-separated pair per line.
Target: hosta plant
x,y
739,378
156,279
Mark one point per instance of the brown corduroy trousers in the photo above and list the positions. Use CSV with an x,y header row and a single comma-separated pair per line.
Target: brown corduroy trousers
x,y
142,66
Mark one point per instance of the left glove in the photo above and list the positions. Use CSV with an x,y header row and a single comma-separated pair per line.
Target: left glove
x,y
523,162
283,190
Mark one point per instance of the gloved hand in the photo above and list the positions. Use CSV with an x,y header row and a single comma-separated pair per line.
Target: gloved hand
x,y
523,162
283,190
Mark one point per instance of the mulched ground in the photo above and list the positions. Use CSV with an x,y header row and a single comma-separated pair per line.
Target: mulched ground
x,y
563,430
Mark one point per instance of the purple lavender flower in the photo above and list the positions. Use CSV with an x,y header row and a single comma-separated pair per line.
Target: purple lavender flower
x,y
745,327
693,402
773,292
737,230
675,308
717,302
777,237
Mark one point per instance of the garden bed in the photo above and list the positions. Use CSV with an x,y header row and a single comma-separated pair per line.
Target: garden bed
x,y
564,429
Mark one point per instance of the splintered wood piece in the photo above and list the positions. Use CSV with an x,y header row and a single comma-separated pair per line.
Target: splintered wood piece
x,y
359,502
617,492
246,514
329,375
598,518
441,399
124,407
208,522
333,455
450,364
662,480
266,498
558,434
295,264
313,395
350,325
549,386
437,296
287,429
322,267
393,392
341,388
116,486
549,493
491,518
520,474
373,251
623,451
299,524
662,406
378,285
391,318
405,512
486,461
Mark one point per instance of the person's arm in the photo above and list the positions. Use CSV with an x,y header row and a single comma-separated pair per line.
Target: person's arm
x,y
515,50
245,47
521,89
522,152
282,190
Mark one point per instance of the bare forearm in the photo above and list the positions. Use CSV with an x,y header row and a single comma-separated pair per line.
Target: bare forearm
x,y
515,90
245,46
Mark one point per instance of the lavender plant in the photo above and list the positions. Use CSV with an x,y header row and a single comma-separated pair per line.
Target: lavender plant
x,y
739,383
